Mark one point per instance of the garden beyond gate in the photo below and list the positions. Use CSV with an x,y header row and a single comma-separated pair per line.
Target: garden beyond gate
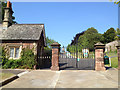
x,y
76,59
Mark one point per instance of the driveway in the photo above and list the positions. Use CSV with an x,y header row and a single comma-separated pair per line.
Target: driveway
x,y
66,79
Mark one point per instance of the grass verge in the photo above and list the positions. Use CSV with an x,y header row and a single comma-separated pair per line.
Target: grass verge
x,y
5,75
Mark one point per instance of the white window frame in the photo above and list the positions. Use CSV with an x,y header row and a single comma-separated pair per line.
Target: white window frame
x,y
14,53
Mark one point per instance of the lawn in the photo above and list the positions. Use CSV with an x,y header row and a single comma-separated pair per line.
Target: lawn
x,y
5,75
111,54
114,60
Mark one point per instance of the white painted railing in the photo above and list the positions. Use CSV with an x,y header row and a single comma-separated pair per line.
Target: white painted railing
x,y
110,59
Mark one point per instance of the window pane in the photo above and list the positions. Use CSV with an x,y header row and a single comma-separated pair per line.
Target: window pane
x,y
11,52
16,52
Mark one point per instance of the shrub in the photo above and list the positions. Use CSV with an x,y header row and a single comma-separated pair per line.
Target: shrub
x,y
12,64
28,58
3,58
16,63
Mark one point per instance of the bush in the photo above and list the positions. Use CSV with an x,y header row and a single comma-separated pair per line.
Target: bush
x,y
12,64
28,58
3,58
16,63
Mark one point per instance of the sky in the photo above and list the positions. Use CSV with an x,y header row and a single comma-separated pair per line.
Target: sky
x,y
63,20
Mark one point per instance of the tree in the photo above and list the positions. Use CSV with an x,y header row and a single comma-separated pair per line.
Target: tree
x,y
49,42
116,1
109,35
68,48
117,34
4,4
89,38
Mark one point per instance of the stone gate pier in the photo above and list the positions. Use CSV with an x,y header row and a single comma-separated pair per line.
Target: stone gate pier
x,y
118,51
99,56
55,56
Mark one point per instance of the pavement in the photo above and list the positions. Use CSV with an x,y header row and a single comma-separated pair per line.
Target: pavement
x,y
66,79
14,71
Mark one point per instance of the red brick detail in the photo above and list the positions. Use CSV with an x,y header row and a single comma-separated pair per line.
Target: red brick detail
x,y
29,45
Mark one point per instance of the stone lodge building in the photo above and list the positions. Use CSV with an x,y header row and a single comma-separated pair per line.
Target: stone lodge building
x,y
112,46
15,37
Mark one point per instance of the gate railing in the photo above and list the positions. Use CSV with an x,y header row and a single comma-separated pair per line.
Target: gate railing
x,y
45,59
76,54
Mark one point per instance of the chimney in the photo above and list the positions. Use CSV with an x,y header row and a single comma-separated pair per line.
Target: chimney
x,y
8,15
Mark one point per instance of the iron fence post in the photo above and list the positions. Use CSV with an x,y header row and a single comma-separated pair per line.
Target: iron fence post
x,y
76,57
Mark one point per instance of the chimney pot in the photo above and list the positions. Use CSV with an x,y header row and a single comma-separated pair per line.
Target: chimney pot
x,y
8,15
9,5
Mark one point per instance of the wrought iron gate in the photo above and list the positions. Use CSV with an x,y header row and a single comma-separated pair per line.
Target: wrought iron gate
x,y
76,60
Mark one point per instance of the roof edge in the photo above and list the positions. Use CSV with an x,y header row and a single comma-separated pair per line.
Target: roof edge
x,y
29,24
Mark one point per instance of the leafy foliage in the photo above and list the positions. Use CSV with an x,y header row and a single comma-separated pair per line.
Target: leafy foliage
x,y
91,37
48,49
13,64
109,35
87,40
117,2
3,58
28,58
49,42
117,37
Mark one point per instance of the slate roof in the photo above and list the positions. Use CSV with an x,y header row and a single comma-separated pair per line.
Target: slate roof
x,y
99,43
23,32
